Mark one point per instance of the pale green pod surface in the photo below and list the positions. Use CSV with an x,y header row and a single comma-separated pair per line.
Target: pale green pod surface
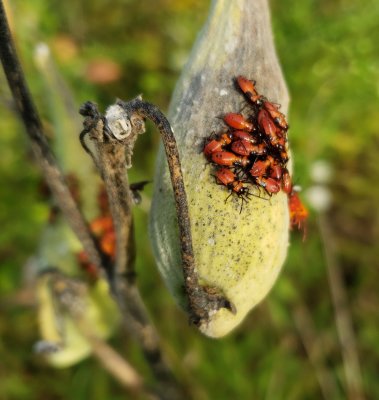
x,y
59,246
59,327
239,253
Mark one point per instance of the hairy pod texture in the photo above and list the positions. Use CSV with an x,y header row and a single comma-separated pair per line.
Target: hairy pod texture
x,y
241,254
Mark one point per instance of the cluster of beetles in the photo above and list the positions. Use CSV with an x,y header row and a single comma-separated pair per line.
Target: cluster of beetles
x,y
253,152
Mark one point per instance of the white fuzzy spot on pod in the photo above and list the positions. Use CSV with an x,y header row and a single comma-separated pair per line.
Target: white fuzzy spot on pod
x,y
223,92
118,122
211,241
189,139
231,44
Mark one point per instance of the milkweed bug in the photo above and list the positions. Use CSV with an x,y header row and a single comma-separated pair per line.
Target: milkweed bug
x,y
226,177
229,159
248,89
283,156
216,144
268,126
238,121
259,168
108,243
101,224
255,146
242,135
102,228
276,171
286,181
244,148
269,184
298,212
275,114
268,167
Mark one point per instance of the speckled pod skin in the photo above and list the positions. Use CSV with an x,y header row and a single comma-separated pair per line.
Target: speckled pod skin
x,y
239,253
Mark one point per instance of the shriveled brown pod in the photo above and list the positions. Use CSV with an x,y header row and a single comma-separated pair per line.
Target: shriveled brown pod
x,y
241,254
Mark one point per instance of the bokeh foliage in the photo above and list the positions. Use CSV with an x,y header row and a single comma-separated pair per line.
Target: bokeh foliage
x,y
330,57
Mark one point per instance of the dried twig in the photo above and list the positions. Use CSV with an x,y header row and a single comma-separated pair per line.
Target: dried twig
x,y
113,146
55,180
53,175
70,297
113,136
114,363
201,300
110,159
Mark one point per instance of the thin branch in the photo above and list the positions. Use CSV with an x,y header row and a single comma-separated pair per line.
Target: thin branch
x,y
115,364
135,321
71,297
112,153
202,301
351,364
112,156
55,179
39,144
126,123
112,163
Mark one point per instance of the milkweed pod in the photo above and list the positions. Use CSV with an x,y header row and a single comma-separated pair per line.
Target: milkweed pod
x,y
239,254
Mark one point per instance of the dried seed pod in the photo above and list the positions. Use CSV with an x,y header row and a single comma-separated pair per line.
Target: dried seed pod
x,y
240,254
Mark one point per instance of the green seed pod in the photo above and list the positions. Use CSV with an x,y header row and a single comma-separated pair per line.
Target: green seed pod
x,y
240,254
67,311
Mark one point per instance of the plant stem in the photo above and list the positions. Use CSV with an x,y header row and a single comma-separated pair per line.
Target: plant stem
x,y
52,173
201,300
110,157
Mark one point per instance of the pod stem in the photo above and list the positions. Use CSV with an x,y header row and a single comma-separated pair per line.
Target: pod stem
x,y
202,300
120,127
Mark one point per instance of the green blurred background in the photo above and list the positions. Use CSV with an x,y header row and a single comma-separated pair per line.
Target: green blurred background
x,y
288,347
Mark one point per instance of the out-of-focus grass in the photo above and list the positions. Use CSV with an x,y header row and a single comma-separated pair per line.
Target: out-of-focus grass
x,y
329,55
